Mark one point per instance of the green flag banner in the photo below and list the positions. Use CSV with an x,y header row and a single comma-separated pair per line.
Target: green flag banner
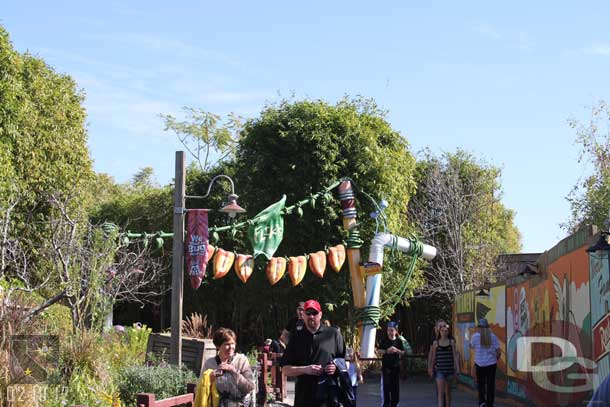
x,y
268,229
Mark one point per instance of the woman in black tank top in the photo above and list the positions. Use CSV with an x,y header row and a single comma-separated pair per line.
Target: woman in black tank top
x,y
445,362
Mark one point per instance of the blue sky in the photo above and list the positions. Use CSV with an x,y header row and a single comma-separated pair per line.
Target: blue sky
x,y
499,80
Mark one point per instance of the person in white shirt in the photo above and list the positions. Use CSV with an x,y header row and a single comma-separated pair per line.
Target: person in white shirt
x,y
486,354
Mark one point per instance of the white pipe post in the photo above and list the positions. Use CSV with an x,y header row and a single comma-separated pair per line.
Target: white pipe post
x,y
373,283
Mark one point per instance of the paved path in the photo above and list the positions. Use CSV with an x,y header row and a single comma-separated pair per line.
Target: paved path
x,y
414,392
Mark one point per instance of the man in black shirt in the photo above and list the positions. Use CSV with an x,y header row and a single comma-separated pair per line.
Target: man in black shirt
x,y
391,348
295,322
309,354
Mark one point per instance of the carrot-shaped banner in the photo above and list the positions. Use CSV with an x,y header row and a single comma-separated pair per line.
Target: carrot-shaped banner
x,y
336,257
243,266
296,269
222,263
275,269
317,263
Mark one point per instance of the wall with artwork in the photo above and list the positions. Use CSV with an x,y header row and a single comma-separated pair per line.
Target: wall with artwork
x,y
553,327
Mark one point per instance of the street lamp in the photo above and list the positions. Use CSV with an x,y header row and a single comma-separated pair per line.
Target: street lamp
x,y
231,208
482,293
601,248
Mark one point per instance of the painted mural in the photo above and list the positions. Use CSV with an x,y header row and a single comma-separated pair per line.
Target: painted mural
x,y
493,308
554,328
599,276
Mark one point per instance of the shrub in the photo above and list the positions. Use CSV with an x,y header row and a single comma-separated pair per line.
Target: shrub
x,y
56,320
163,381
126,348
196,326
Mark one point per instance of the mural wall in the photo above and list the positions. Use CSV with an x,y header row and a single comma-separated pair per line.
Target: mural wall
x,y
553,328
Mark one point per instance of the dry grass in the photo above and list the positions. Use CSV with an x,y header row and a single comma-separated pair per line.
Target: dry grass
x,y
196,326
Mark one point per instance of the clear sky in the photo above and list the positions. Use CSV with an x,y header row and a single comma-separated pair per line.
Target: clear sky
x,y
499,80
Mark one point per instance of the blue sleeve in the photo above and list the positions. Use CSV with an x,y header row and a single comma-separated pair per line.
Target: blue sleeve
x,y
601,397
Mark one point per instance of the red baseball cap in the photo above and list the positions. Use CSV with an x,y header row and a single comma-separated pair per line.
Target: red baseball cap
x,y
313,304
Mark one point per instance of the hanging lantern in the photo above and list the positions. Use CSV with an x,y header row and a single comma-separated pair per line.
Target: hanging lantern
x,y
232,208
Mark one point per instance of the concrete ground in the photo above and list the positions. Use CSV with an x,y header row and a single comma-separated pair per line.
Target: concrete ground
x,y
414,392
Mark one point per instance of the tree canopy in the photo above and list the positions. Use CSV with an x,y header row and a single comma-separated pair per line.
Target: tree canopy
x,y
43,139
590,197
458,209
298,148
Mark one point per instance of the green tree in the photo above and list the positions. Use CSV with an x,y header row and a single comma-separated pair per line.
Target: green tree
x,y
140,205
298,148
208,137
43,153
590,197
458,209
43,139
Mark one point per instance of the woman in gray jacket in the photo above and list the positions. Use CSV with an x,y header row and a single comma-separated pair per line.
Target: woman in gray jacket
x,y
232,372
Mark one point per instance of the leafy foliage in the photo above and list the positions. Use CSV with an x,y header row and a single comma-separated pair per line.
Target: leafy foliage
x,y
140,205
206,136
43,151
164,381
297,148
91,366
43,140
457,208
590,197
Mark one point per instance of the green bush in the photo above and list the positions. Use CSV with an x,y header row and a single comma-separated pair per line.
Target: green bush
x,y
127,348
56,320
163,381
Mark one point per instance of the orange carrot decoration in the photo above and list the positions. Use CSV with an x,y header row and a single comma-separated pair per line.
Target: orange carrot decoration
x,y
317,263
243,266
222,263
296,269
336,257
275,269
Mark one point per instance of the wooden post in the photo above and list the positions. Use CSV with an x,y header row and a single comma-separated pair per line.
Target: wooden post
x,y
145,399
177,261
348,205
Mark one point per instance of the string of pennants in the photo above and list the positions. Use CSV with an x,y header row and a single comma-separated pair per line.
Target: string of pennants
x,y
243,264
265,232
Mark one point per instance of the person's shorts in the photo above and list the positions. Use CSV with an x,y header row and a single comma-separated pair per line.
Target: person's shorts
x,y
442,376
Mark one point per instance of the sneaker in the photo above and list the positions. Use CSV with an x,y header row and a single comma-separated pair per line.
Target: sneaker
x,y
483,405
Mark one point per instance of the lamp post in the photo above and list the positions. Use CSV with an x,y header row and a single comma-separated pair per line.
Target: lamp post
x,y
231,208
482,293
600,251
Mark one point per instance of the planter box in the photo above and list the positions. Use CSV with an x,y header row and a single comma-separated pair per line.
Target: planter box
x,y
194,351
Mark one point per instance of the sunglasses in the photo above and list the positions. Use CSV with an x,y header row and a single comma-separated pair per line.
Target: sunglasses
x,y
311,312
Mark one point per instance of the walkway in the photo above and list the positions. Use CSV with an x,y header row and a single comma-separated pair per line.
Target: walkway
x,y
414,392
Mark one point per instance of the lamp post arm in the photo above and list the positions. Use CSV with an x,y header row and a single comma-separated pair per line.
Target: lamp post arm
x,y
210,187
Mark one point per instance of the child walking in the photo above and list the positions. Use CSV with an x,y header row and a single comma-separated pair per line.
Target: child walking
x,y
391,348
354,371
445,367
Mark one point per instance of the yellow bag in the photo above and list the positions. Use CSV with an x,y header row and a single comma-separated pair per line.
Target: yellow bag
x,y
206,394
